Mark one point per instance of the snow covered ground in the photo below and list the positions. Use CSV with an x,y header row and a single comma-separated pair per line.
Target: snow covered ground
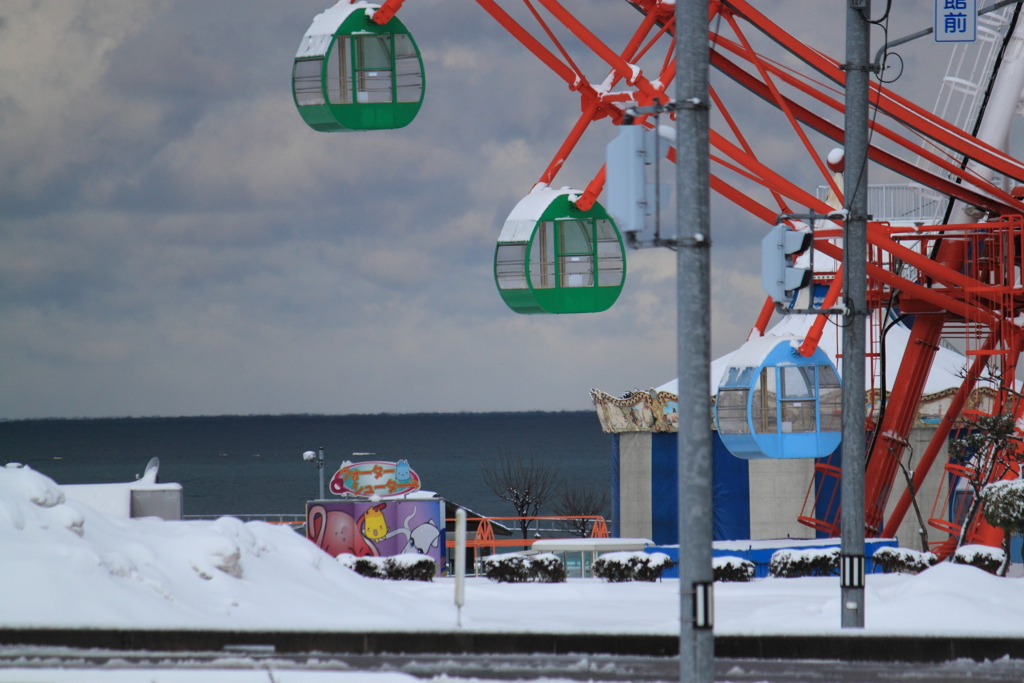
x,y
63,564
189,675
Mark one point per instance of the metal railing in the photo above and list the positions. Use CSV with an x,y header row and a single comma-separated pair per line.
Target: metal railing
x,y
900,202
484,537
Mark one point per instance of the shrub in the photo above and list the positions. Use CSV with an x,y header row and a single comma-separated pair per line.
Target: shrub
x,y
631,566
370,567
1003,508
547,568
507,568
406,567
516,568
733,569
409,567
980,556
790,564
902,560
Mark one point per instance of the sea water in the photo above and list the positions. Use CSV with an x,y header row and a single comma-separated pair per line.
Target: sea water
x,y
253,464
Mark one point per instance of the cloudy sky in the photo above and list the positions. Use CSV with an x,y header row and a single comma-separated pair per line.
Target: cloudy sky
x,y
175,241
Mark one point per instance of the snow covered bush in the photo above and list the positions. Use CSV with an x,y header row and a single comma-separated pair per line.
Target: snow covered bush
x,y
547,568
1003,507
790,564
733,569
407,567
507,568
516,568
370,567
902,560
631,566
980,556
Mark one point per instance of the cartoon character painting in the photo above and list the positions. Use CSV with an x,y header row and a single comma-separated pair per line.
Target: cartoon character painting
x,y
373,528
403,475
373,525
337,532
423,538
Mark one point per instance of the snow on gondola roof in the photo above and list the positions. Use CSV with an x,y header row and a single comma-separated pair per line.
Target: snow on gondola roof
x,y
946,372
520,223
318,37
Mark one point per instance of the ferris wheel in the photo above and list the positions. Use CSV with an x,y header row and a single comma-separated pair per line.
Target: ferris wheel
x,y
560,251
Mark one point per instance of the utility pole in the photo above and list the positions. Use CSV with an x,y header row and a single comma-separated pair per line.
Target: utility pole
x,y
855,227
693,298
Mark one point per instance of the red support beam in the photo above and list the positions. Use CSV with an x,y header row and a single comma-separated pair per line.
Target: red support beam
x,y
590,195
954,170
938,439
588,115
932,296
900,410
562,70
631,73
810,342
782,104
882,157
937,270
762,320
785,187
893,105
743,201
742,140
386,11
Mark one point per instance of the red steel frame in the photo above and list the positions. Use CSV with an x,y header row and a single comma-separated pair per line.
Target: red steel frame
x,y
961,289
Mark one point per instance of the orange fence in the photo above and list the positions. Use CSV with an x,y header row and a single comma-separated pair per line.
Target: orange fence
x,y
485,532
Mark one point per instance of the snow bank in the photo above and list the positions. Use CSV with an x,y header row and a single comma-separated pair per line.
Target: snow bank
x,y
66,565
74,566
191,672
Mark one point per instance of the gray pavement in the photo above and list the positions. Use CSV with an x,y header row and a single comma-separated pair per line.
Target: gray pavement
x,y
517,667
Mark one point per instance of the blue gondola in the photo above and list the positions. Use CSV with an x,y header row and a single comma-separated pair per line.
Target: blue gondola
x,y
774,403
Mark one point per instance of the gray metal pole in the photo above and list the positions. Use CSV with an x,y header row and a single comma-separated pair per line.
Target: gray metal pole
x,y
320,466
858,56
460,564
696,579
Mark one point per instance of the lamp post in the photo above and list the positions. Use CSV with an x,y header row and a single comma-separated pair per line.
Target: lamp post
x,y
311,456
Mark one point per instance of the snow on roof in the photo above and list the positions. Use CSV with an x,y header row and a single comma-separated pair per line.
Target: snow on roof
x,y
591,544
318,36
116,499
520,223
945,373
778,543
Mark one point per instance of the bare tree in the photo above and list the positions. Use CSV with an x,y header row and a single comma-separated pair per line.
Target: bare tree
x,y
525,482
580,499
908,474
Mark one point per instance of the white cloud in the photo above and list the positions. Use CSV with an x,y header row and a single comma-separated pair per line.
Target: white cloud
x,y
174,240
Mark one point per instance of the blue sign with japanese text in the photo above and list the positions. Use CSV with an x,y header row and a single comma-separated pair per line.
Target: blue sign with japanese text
x,y
956,21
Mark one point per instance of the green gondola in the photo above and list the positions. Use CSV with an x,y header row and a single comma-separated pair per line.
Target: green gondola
x,y
353,74
555,258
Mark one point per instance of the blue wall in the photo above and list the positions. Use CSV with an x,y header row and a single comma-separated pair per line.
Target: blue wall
x,y
664,489
615,486
731,505
732,494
